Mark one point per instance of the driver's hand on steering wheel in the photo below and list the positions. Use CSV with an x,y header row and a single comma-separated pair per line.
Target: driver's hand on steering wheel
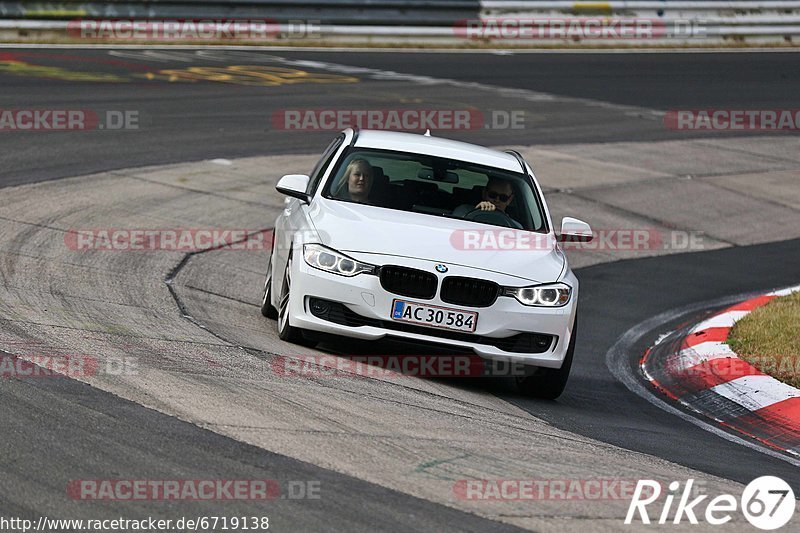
x,y
486,206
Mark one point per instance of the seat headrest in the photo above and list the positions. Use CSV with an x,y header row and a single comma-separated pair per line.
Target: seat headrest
x,y
377,173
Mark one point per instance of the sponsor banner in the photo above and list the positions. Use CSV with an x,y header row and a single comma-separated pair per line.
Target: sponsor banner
x,y
570,28
192,489
733,119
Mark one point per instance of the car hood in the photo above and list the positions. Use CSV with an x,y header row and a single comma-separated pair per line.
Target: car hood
x,y
364,229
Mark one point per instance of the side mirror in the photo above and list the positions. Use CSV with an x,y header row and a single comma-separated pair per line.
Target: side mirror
x,y
574,230
294,185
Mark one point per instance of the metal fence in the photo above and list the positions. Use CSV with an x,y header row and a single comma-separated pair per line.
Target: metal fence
x,y
372,12
452,22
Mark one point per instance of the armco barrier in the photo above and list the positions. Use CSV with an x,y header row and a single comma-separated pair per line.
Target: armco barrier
x,y
392,22
372,12
686,22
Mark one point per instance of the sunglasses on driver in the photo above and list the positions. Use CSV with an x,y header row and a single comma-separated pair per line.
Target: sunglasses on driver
x,y
496,195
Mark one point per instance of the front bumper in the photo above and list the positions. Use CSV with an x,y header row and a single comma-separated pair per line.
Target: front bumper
x,y
364,296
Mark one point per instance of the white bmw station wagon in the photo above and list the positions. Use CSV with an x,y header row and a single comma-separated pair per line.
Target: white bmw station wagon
x,y
427,240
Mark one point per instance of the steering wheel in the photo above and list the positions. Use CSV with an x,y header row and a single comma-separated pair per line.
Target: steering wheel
x,y
495,217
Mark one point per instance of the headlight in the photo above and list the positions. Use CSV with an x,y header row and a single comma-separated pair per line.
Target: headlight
x,y
330,260
551,295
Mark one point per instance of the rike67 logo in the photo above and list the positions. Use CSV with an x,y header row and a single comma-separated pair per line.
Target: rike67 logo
x,y
767,503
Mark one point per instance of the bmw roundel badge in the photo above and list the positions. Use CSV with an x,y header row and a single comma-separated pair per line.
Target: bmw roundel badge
x,y
441,268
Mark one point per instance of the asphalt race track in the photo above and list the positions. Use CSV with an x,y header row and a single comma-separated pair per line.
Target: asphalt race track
x,y
603,408
233,120
205,405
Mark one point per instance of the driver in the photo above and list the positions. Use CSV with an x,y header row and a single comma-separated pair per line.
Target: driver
x,y
498,194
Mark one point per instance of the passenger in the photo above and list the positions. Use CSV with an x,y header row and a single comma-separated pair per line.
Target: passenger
x,y
358,179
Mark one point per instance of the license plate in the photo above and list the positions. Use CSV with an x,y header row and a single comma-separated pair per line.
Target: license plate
x,y
434,316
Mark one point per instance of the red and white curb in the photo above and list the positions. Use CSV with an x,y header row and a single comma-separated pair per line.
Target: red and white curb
x,y
696,368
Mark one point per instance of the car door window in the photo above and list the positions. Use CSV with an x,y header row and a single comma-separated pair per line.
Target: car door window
x,y
323,164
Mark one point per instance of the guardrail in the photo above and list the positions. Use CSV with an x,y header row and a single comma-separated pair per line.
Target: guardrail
x,y
444,22
682,22
714,5
372,12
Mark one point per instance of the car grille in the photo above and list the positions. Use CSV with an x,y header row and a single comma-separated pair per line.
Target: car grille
x,y
408,282
519,343
469,291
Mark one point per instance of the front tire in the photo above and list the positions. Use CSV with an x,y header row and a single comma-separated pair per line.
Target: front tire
x,y
549,383
267,309
286,331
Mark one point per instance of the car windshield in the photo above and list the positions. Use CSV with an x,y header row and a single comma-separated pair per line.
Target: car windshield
x,y
437,186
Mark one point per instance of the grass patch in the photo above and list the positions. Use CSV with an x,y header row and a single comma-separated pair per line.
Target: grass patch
x,y
769,338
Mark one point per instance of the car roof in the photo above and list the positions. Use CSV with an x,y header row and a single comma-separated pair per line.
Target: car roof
x,y
437,146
